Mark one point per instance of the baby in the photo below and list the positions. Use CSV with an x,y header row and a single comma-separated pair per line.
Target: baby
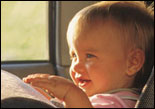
x,y
111,48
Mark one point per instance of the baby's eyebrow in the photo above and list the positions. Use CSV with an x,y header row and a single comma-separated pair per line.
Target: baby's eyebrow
x,y
86,50
91,50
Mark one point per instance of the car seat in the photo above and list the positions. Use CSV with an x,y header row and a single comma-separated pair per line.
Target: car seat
x,y
146,99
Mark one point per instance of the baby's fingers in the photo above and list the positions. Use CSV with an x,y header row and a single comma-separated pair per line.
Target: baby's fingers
x,y
31,77
44,85
46,94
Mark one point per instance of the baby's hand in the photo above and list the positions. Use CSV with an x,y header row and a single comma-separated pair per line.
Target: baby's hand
x,y
56,85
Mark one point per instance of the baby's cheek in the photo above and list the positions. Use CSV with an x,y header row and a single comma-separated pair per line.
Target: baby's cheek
x,y
119,66
89,65
93,69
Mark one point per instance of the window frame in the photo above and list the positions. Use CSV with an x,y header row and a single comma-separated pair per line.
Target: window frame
x,y
51,38
52,6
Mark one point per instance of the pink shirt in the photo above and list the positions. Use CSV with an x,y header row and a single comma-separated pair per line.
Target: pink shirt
x,y
120,98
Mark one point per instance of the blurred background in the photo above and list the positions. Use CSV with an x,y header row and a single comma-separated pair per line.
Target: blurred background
x,y
24,30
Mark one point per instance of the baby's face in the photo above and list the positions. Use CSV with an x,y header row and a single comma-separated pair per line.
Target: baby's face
x,y
98,59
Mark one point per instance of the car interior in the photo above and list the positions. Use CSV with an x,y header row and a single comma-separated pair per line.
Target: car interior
x,y
58,62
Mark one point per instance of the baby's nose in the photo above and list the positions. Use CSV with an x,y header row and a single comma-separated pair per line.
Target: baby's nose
x,y
78,67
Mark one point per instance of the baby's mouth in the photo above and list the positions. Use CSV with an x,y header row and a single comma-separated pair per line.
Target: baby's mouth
x,y
83,82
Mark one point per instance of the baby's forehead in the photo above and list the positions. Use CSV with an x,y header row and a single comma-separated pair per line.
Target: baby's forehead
x,y
99,27
110,26
98,33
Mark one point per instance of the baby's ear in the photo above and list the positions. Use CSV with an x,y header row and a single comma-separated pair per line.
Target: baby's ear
x,y
135,61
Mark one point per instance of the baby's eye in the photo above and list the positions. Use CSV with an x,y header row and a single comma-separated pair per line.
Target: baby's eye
x,y
90,55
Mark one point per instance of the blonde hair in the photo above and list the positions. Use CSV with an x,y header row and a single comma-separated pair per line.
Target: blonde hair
x,y
137,24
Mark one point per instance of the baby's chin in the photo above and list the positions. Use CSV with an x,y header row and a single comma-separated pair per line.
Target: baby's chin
x,y
88,93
